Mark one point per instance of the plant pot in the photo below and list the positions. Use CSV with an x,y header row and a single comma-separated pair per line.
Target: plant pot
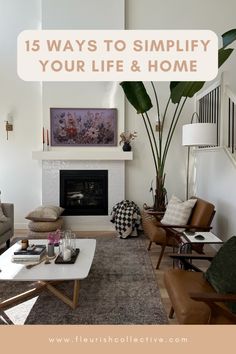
x,y
51,250
126,147
160,194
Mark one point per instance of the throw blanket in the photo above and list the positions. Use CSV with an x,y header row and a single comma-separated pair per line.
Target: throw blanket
x,y
126,217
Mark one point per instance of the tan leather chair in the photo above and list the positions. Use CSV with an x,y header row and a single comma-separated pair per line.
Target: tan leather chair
x,y
167,235
193,299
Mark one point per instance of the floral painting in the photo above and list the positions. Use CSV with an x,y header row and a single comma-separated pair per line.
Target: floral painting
x,y
83,126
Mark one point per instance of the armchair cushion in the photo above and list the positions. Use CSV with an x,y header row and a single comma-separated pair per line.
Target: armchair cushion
x,y
3,217
179,283
222,272
178,212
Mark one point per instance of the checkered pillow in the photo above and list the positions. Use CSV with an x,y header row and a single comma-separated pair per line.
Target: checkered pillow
x,y
178,212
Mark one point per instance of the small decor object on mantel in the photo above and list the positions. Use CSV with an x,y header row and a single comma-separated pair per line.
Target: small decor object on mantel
x,y
126,139
45,141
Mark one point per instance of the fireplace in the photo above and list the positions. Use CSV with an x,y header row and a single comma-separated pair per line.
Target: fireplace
x,y
84,192
116,187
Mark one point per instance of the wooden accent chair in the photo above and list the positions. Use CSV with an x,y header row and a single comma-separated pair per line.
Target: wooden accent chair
x,y
167,235
209,298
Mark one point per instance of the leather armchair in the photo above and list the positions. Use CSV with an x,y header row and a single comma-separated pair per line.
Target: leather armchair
x,y
7,227
194,300
168,235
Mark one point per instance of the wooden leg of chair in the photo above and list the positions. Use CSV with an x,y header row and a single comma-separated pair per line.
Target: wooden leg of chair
x,y
149,246
172,311
161,255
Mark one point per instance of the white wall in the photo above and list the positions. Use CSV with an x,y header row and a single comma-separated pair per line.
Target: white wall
x,y
80,14
20,177
215,181
157,14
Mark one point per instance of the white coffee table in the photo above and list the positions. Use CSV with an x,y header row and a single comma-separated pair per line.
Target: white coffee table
x,y
47,275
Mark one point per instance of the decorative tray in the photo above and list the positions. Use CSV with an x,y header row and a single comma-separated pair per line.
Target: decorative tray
x,y
59,259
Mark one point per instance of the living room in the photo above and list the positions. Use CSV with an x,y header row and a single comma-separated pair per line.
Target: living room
x,y
28,178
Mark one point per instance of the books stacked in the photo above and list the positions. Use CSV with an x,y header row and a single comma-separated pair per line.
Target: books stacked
x,y
33,253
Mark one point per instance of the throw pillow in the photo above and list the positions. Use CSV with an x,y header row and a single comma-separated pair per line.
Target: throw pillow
x,y
3,217
45,213
222,272
178,212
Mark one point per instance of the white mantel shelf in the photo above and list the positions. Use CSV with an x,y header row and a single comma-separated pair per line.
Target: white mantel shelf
x,y
82,155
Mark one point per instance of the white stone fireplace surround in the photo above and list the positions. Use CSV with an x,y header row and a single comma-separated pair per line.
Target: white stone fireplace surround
x,y
114,163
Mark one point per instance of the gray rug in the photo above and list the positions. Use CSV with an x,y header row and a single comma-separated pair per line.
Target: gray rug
x,y
120,289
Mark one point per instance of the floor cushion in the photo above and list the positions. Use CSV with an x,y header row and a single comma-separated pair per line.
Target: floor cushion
x,y
45,226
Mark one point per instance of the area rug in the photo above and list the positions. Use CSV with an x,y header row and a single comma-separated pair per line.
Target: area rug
x,y
120,289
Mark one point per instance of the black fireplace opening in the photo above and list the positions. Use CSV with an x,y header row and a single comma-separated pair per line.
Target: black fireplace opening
x,y
84,192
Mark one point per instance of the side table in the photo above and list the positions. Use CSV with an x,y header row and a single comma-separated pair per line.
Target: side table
x,y
188,238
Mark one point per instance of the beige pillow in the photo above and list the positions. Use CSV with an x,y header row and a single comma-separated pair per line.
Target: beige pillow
x,y
46,226
3,217
45,213
178,212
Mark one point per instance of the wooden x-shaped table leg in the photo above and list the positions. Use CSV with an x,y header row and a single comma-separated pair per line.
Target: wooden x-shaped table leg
x,y
41,285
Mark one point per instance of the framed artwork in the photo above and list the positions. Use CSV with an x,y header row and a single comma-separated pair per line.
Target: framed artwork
x,y
83,126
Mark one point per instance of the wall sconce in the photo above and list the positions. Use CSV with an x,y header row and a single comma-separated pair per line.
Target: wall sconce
x,y
9,125
158,126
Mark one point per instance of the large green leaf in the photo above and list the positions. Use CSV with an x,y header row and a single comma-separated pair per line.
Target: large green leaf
x,y
173,84
188,89
223,55
229,37
137,95
184,89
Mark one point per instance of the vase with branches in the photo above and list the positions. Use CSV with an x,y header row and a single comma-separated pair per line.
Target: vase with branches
x,y
137,95
126,138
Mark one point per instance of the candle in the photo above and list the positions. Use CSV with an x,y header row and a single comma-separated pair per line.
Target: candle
x,y
47,138
66,254
43,136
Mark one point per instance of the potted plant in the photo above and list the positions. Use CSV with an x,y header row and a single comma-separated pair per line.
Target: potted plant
x,y
137,95
126,138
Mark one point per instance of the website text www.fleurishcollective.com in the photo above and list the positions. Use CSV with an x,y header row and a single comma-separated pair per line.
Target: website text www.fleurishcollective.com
x,y
118,340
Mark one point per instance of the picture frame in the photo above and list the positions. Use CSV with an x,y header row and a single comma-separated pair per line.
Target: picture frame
x,y
83,126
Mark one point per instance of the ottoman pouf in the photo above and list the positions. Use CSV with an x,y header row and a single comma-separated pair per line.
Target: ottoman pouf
x,y
45,226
